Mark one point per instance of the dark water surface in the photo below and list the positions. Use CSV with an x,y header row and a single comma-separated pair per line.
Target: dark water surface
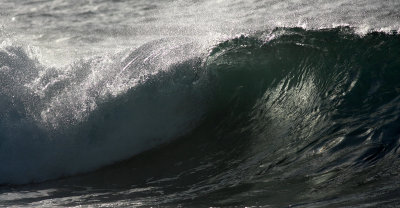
x,y
272,104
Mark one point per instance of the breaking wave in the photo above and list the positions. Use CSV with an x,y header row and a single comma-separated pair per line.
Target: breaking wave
x,y
319,105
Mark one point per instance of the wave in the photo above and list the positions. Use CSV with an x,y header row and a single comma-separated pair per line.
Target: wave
x,y
322,104
62,121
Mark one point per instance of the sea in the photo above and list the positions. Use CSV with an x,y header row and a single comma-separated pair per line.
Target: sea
x,y
199,103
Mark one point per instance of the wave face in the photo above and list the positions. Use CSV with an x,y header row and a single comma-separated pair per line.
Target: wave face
x,y
292,116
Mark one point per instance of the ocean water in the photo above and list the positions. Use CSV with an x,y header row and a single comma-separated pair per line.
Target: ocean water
x,y
199,103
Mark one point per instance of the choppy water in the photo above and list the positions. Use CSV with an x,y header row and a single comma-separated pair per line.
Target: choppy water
x,y
203,103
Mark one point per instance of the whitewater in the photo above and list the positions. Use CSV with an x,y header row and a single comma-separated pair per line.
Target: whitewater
x,y
199,103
